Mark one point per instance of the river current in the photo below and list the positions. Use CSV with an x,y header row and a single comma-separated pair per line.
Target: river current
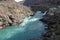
x,y
30,28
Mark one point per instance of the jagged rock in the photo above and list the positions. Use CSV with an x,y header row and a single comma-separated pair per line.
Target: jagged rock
x,y
37,2
12,14
52,17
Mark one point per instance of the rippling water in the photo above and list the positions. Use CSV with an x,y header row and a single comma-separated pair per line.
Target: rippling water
x,y
30,28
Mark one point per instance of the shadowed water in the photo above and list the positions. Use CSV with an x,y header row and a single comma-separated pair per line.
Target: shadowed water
x,y
30,28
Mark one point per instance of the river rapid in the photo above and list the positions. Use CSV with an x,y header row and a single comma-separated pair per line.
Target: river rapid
x,y
30,28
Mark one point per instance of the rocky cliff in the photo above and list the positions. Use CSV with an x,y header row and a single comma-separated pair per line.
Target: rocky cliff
x,y
52,17
11,14
41,5
37,2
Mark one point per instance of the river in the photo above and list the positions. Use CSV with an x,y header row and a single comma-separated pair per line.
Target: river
x,y
30,28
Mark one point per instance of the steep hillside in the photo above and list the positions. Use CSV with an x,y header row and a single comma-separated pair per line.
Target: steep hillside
x,y
12,13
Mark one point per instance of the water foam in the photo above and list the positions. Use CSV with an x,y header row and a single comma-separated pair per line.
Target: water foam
x,y
27,29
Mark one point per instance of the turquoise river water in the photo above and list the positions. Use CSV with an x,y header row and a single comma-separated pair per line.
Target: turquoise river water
x,y
30,28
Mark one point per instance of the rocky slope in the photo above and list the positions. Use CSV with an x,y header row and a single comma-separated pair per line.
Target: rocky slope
x,y
41,5
11,14
52,17
38,2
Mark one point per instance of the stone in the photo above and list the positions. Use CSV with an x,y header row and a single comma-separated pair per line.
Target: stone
x,y
1,27
52,17
1,23
12,14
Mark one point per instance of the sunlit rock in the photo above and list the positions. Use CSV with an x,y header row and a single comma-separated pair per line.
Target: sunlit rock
x,y
13,14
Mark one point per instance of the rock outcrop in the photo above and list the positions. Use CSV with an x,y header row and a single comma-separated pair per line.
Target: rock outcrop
x,y
38,2
42,5
11,14
52,17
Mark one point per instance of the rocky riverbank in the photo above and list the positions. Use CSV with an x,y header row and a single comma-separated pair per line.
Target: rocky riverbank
x,y
52,18
11,14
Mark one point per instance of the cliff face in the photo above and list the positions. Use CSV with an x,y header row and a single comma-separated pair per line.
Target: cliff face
x,y
12,14
41,4
37,2
52,17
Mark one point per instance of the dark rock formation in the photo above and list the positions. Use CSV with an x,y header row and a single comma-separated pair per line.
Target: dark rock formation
x,y
38,2
53,19
41,4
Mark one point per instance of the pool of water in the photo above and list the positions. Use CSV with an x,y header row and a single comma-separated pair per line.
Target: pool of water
x,y
30,28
